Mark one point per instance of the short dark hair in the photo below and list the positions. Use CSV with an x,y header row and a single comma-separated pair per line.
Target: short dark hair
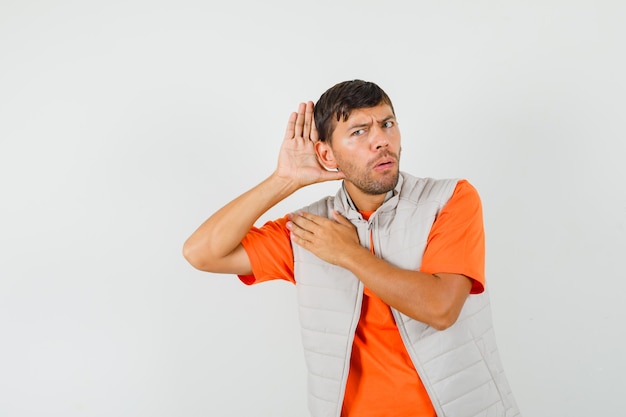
x,y
341,99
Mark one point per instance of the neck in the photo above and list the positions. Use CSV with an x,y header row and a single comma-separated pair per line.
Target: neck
x,y
363,201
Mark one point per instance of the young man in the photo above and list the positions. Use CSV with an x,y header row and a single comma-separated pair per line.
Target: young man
x,y
389,272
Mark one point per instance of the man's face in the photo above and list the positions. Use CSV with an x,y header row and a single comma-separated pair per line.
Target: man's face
x,y
366,148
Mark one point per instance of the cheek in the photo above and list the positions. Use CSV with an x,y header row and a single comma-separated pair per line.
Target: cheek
x,y
395,138
346,166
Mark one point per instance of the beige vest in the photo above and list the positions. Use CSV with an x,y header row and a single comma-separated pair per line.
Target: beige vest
x,y
459,366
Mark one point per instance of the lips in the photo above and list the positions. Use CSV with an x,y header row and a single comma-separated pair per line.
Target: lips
x,y
384,163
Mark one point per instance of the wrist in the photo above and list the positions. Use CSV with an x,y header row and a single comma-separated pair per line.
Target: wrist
x,y
283,185
353,258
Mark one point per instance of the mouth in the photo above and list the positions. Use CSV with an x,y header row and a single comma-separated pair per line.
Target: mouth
x,y
384,164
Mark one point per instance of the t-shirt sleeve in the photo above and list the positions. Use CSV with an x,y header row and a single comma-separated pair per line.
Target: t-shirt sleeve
x,y
270,253
456,243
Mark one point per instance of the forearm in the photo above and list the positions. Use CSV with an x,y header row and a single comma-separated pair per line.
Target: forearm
x,y
222,233
433,299
216,245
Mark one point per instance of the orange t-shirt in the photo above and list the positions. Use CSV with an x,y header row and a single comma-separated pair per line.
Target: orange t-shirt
x,y
382,379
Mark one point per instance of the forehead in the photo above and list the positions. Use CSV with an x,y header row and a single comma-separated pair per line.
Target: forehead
x,y
366,114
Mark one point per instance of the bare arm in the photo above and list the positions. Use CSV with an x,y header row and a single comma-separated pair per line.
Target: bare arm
x,y
433,299
216,245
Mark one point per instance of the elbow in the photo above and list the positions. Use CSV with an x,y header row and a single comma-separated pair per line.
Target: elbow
x,y
444,318
438,319
443,323
193,256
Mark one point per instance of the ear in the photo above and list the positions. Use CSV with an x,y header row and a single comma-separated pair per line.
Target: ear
x,y
325,155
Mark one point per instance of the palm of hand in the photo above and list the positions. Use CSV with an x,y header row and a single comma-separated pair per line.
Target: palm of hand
x,y
298,159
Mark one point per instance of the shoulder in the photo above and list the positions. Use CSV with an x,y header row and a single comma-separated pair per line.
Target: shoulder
x,y
466,193
322,207
427,189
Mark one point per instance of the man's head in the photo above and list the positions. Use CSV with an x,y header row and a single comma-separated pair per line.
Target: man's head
x,y
338,102
358,134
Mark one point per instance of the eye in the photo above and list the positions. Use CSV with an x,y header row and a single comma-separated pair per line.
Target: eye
x,y
388,124
358,132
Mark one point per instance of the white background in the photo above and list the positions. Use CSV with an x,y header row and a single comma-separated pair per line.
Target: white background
x,y
124,124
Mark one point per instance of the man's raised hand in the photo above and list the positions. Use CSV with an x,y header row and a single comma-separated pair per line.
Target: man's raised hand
x,y
297,160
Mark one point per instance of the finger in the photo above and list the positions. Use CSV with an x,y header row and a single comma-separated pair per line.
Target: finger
x,y
308,120
299,241
298,222
308,220
291,125
314,135
300,121
298,232
332,175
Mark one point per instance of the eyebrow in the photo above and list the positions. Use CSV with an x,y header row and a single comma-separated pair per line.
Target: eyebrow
x,y
354,126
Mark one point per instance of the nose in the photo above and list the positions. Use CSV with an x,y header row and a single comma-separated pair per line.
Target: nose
x,y
379,138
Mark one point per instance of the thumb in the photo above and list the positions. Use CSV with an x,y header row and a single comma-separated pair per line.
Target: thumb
x,y
332,175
